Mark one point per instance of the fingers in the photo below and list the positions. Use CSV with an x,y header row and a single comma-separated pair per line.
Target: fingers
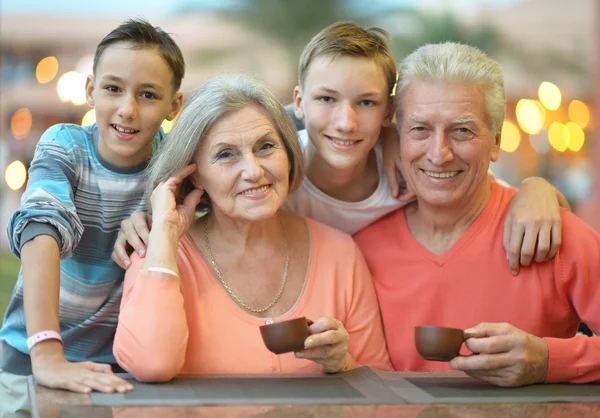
x,y
192,199
543,243
99,367
131,234
507,233
556,238
482,362
490,345
514,247
141,222
528,245
324,324
119,254
487,329
179,177
327,344
82,378
330,337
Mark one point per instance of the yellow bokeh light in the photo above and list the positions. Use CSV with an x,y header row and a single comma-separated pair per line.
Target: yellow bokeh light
x,y
167,125
71,87
46,70
531,116
576,136
549,95
557,137
89,118
510,137
20,123
15,175
579,113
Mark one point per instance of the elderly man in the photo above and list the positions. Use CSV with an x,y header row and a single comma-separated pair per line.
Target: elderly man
x,y
440,260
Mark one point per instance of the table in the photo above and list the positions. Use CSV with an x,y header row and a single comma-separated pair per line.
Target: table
x,y
427,395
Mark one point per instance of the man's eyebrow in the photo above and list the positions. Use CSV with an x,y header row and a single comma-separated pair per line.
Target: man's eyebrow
x,y
418,119
462,121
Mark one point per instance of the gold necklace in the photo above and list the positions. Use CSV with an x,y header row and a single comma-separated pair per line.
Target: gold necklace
x,y
228,289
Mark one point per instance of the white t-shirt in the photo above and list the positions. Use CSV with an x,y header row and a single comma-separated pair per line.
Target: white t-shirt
x,y
349,217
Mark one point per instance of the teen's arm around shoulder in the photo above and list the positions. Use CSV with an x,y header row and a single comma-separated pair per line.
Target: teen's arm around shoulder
x,y
577,270
363,320
152,333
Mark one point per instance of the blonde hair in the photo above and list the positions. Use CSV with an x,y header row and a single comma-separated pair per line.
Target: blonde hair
x,y
454,62
349,39
217,97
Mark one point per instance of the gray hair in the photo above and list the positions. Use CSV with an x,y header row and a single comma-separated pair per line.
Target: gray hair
x,y
216,98
450,62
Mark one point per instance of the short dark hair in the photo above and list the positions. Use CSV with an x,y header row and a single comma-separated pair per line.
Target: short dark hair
x,y
142,34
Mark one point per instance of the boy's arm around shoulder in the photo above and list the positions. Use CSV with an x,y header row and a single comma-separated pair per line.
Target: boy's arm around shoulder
x,y
48,198
577,272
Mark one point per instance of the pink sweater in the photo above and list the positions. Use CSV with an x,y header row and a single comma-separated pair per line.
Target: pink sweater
x,y
190,325
471,283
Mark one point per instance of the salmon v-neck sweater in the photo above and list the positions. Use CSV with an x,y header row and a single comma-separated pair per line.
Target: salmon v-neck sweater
x,y
472,283
190,325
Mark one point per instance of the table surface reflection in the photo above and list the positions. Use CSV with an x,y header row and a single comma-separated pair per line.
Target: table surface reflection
x,y
57,403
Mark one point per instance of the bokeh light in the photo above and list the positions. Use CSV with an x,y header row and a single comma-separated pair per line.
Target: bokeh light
x,y
167,125
576,136
46,70
15,175
20,123
89,118
510,137
557,137
71,87
579,113
531,116
549,95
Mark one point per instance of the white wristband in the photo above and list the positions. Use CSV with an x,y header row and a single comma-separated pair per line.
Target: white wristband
x,y
38,337
163,270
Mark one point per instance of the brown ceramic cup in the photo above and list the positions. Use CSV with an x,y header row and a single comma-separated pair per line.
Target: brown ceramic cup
x,y
439,343
286,336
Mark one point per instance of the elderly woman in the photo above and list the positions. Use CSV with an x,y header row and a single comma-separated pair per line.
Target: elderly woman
x,y
194,304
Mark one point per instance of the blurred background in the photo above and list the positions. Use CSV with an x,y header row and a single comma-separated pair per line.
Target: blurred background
x,y
547,48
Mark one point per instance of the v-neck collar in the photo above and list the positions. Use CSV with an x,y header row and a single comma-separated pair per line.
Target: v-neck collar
x,y
472,231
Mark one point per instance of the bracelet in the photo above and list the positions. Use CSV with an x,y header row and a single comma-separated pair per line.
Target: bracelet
x,y
163,270
38,337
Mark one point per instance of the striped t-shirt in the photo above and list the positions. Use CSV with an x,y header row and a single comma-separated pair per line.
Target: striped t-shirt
x,y
79,199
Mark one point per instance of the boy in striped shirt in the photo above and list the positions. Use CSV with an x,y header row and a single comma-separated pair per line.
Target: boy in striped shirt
x,y
83,181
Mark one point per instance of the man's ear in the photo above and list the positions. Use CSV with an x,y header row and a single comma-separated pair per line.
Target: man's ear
x,y
176,104
389,113
496,147
89,90
298,103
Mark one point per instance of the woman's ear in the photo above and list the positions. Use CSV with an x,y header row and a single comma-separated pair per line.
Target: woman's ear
x,y
194,178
